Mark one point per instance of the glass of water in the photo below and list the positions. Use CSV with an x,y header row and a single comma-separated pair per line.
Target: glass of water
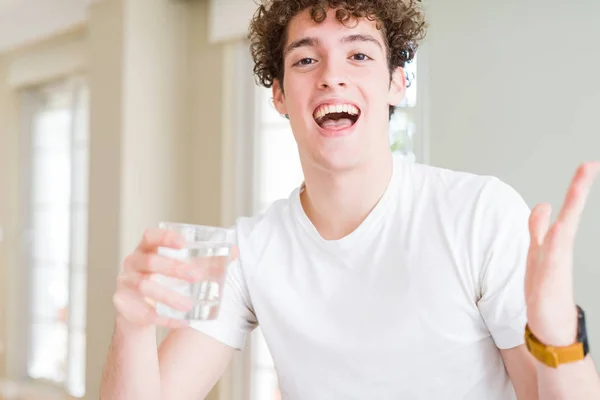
x,y
208,249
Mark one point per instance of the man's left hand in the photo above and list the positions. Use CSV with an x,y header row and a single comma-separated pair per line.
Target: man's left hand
x,y
551,310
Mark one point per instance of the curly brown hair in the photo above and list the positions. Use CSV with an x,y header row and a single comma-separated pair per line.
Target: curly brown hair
x,y
402,23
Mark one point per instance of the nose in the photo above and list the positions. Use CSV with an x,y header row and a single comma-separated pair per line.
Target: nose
x,y
332,77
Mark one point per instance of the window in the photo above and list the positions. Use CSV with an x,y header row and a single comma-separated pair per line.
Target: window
x,y
403,125
56,250
278,172
278,163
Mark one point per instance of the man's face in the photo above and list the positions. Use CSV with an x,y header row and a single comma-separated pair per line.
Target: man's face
x,y
337,91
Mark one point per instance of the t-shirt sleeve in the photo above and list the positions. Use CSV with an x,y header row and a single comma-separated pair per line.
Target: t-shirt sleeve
x,y
236,316
505,234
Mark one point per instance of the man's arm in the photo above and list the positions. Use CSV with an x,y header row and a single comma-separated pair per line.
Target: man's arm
x,y
533,380
188,363
522,369
131,367
577,380
551,311
191,363
186,366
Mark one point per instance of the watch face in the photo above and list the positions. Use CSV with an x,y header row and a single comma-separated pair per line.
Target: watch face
x,y
582,331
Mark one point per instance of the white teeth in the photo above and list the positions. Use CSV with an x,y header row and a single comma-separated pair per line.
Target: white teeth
x,y
335,108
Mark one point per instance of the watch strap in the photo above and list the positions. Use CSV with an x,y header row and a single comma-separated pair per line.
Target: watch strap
x,y
553,356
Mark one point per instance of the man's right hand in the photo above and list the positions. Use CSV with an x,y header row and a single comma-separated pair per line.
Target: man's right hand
x,y
137,293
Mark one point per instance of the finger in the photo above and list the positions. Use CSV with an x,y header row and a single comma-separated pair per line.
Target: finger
x,y
155,237
235,253
576,197
135,309
152,263
158,293
539,221
153,292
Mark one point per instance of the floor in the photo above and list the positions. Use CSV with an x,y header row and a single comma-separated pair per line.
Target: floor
x,y
27,391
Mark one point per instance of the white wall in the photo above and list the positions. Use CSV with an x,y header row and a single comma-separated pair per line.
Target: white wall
x,y
514,91
229,19
29,21
9,176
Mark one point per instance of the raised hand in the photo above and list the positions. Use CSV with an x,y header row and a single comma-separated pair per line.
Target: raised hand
x,y
137,293
551,310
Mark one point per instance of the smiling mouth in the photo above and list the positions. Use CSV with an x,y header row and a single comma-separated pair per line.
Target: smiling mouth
x,y
336,116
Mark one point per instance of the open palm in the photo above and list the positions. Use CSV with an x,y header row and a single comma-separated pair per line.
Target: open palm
x,y
551,311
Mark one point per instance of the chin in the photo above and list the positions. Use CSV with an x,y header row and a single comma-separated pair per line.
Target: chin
x,y
338,159
337,150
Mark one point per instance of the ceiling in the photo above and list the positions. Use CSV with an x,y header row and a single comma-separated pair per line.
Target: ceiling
x,y
26,21
6,5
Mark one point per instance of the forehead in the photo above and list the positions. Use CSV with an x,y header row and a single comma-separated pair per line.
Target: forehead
x,y
302,25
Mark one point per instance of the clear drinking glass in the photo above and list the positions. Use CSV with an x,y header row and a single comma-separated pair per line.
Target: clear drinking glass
x,y
209,249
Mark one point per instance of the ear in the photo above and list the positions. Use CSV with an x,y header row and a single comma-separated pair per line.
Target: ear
x,y
397,87
279,98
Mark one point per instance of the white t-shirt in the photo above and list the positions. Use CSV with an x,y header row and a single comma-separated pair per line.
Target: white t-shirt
x,y
414,304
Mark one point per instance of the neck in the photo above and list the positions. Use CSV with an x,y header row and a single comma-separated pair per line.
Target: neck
x,y
337,203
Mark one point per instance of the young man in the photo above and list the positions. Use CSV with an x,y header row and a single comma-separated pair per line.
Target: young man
x,y
377,279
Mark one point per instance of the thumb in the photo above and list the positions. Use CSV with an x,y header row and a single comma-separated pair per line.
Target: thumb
x,y
539,222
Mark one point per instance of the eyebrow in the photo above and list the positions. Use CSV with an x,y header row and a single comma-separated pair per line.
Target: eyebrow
x,y
304,42
313,42
361,38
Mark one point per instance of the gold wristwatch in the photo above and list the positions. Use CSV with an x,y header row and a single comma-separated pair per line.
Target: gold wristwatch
x,y
555,356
